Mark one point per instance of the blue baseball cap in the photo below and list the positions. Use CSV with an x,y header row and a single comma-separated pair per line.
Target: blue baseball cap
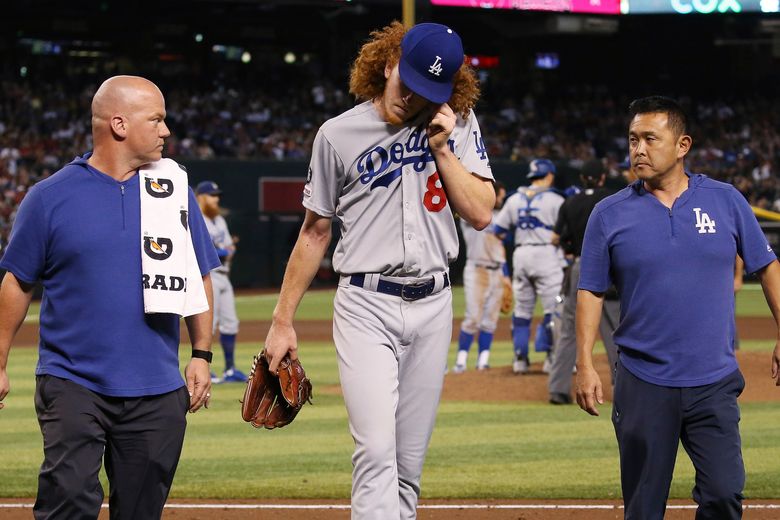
x,y
207,188
540,168
431,54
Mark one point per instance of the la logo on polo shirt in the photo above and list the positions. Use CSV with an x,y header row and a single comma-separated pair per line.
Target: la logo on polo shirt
x,y
703,222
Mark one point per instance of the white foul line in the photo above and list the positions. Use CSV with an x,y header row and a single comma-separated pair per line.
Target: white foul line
x,y
421,506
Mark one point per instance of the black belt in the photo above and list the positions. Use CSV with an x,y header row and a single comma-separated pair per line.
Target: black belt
x,y
407,291
534,244
489,267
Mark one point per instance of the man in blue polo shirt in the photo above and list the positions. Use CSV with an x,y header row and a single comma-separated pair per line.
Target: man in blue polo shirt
x,y
668,242
107,382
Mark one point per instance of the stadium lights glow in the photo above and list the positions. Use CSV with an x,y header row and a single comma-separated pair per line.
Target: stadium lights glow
x,y
289,58
246,57
199,37
86,54
23,72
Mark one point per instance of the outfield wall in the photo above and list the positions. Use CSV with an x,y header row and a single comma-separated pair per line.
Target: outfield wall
x,y
266,238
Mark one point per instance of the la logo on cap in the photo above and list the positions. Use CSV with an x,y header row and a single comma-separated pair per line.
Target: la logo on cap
x,y
436,68
431,55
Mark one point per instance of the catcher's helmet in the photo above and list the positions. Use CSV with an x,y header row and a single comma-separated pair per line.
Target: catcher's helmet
x,y
540,168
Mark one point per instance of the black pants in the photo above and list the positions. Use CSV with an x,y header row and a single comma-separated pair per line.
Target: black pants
x,y
140,437
651,420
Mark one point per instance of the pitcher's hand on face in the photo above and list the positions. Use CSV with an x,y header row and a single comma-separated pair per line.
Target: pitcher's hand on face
x,y
589,391
281,339
441,126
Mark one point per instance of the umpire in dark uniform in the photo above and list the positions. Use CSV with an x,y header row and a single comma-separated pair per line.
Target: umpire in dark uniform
x,y
568,233
668,242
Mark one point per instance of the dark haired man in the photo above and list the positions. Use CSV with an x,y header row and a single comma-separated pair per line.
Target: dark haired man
x,y
668,242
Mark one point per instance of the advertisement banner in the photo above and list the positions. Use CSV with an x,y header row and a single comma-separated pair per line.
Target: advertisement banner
x,y
573,6
700,6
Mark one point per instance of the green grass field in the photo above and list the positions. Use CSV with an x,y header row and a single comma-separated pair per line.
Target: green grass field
x,y
317,305
479,450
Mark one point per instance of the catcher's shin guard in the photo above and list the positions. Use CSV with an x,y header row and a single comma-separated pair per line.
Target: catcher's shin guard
x,y
521,331
544,338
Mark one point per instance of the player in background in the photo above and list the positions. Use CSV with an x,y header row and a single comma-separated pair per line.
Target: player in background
x,y
224,299
484,276
394,169
537,264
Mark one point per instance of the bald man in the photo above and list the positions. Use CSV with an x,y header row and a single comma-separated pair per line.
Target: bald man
x,y
108,386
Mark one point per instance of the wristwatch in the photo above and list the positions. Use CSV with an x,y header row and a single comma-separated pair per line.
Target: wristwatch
x,y
203,354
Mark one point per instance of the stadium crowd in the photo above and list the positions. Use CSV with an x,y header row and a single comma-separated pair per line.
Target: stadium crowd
x,y
42,126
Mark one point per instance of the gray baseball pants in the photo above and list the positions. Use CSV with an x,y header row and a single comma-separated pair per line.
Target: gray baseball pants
x,y
392,355
224,304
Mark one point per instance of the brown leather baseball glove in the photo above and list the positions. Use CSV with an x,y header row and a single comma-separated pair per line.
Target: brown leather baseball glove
x,y
273,400
507,298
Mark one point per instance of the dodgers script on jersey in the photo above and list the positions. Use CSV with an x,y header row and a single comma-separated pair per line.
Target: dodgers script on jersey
x,y
381,182
532,213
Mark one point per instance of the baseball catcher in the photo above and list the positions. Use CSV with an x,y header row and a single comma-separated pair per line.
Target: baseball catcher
x,y
273,400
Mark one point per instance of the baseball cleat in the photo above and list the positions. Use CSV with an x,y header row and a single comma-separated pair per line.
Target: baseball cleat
x,y
458,369
215,379
234,375
483,367
521,365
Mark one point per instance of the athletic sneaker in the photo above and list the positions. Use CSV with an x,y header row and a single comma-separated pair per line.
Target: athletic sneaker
x,y
547,366
214,379
483,367
234,375
458,369
521,365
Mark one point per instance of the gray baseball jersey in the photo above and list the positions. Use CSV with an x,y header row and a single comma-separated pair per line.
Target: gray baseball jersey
x,y
220,237
224,306
536,264
483,247
532,213
381,183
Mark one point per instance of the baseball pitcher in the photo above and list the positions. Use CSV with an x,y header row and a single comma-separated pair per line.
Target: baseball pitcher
x,y
393,170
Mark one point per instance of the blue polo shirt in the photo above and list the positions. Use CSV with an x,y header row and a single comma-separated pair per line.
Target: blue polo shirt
x,y
79,233
674,270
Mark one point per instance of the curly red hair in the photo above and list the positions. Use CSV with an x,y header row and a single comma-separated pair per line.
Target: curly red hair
x,y
367,75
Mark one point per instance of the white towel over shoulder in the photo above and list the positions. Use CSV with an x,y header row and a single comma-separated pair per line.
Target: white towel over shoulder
x,y
172,282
